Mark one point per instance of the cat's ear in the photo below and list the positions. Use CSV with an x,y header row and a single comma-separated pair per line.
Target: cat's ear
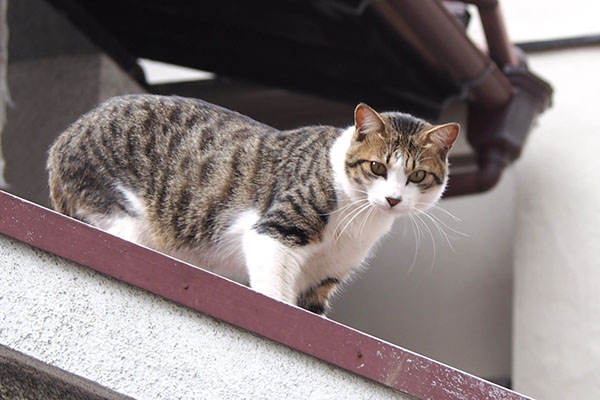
x,y
443,136
366,121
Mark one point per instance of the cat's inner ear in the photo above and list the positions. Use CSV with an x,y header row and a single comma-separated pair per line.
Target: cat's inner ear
x,y
367,122
443,136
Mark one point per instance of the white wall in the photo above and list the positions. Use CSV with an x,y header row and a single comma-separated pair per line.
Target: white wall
x,y
556,351
557,243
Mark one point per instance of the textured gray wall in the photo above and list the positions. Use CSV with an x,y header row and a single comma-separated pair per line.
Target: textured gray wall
x,y
146,347
55,74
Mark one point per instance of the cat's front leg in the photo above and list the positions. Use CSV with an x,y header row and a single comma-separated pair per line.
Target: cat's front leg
x,y
316,298
272,266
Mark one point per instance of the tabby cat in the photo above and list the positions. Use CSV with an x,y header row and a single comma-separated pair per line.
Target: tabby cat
x,y
291,213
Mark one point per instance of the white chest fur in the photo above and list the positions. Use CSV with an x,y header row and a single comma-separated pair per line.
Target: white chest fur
x,y
347,242
245,256
352,230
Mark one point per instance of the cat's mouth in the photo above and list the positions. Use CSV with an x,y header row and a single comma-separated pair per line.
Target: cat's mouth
x,y
392,206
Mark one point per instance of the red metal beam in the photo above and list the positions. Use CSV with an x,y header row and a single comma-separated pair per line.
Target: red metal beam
x,y
203,291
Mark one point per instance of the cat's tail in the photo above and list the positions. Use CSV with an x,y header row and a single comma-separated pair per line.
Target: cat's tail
x,y
57,196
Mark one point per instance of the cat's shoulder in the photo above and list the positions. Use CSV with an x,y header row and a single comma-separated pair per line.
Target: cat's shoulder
x,y
174,106
156,100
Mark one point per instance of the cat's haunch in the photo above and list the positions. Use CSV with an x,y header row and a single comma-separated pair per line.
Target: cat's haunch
x,y
291,213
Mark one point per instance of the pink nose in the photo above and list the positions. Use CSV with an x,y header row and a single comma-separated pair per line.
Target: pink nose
x,y
392,201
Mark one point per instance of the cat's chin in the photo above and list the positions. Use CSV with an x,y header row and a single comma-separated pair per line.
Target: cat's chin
x,y
396,211
404,211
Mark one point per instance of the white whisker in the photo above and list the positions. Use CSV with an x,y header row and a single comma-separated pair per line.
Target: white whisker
x,y
442,209
356,214
417,234
360,191
442,233
441,223
403,234
418,217
346,206
365,219
353,211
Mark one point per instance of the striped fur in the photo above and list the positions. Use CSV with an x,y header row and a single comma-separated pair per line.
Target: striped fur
x,y
216,188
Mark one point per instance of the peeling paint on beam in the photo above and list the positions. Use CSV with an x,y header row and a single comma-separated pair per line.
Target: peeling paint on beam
x,y
220,298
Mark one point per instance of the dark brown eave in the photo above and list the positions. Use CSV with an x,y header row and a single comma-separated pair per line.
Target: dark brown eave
x,y
401,54
319,337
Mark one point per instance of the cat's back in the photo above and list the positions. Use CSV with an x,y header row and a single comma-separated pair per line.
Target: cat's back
x,y
141,141
189,169
146,115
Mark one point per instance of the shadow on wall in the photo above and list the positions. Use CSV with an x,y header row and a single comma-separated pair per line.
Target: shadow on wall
x,y
55,74
450,301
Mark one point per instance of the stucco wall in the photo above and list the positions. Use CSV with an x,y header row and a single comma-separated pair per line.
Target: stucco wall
x,y
556,328
557,253
146,347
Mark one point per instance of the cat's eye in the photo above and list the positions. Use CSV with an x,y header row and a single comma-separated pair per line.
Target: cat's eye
x,y
417,176
378,168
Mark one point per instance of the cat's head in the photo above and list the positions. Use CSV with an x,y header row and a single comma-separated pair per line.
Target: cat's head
x,y
398,162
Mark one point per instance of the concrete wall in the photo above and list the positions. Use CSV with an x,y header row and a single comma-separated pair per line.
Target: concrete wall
x,y
146,347
55,74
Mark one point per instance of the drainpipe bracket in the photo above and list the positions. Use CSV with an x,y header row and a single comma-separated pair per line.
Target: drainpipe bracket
x,y
506,129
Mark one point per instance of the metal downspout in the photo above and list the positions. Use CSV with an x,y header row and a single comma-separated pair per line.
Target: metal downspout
x,y
500,111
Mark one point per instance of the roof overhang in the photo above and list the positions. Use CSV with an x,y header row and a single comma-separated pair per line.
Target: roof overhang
x,y
402,54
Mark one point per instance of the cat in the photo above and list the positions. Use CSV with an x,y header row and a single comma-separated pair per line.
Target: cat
x,y
293,214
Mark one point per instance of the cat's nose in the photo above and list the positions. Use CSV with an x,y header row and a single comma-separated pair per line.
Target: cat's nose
x,y
393,201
